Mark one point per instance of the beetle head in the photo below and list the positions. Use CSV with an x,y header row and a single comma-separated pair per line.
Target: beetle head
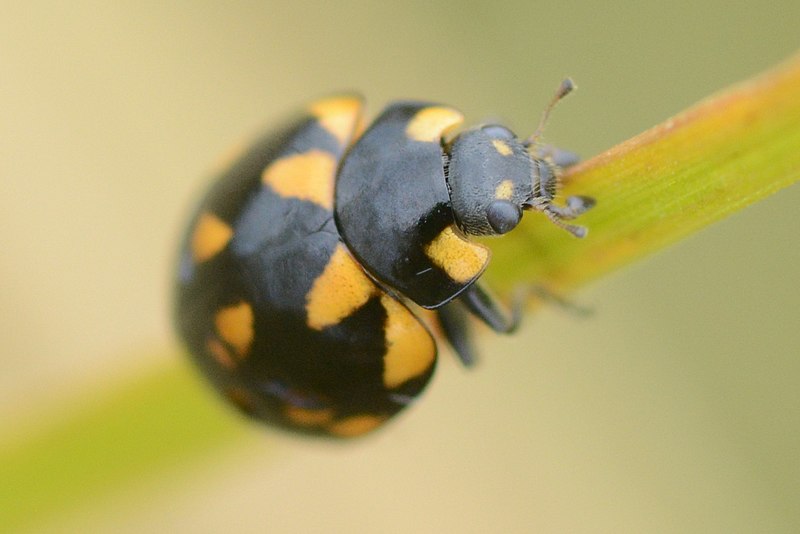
x,y
493,177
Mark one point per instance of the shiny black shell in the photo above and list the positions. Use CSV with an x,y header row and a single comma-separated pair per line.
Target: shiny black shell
x,y
308,266
273,306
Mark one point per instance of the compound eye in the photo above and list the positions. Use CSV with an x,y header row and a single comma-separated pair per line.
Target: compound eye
x,y
495,131
503,216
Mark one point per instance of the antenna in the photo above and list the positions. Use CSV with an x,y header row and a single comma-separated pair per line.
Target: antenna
x,y
563,90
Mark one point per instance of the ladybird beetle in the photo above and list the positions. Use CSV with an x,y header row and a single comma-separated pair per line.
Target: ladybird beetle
x,y
305,270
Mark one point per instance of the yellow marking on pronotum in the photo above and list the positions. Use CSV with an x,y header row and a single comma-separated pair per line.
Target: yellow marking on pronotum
x,y
502,147
459,258
220,353
307,416
505,190
410,350
235,326
356,425
209,237
429,124
339,115
307,176
341,289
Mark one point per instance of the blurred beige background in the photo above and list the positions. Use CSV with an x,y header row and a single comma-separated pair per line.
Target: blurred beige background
x,y
675,408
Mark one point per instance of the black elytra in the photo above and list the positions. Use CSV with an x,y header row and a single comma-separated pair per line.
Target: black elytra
x,y
306,269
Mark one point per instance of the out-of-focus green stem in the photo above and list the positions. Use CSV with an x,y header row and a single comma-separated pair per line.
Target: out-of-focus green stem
x,y
151,423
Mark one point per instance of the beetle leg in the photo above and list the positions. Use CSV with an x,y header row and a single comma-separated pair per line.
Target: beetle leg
x,y
576,205
569,306
562,158
487,308
454,320
477,301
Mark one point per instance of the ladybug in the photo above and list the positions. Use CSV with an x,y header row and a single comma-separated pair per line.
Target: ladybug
x,y
306,270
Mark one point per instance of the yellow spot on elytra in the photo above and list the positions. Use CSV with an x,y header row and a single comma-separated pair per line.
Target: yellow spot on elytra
x,y
462,260
339,115
410,349
341,289
209,237
502,147
308,417
431,320
307,176
235,326
220,353
505,190
361,127
356,425
429,124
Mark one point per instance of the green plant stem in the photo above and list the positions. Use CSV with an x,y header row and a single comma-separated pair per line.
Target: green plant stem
x,y
149,424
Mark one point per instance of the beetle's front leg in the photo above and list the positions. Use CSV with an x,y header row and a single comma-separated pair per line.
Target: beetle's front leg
x,y
488,309
454,318
560,157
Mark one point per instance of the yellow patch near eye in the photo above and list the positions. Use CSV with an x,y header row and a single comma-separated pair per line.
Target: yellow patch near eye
x,y
462,260
306,176
505,190
338,115
502,147
410,350
211,234
307,416
340,290
356,425
235,326
429,124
